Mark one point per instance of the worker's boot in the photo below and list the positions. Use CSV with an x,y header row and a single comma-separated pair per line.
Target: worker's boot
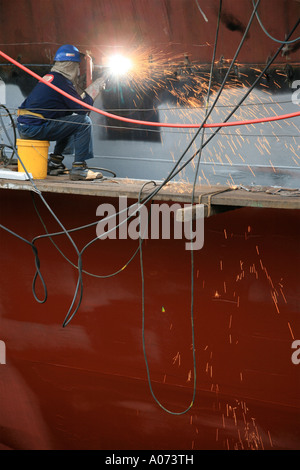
x,y
55,165
80,171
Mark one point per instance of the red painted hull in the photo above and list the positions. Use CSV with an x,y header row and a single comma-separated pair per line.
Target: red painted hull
x,y
167,29
85,386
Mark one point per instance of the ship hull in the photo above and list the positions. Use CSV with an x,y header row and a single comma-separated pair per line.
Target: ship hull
x,y
85,386
122,374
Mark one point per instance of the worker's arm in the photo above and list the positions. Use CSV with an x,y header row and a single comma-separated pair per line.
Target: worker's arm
x,y
76,107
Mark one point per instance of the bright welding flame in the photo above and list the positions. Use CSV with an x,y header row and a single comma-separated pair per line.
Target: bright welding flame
x,y
119,65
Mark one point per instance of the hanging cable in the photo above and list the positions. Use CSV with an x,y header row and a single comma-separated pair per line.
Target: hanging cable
x,y
79,286
174,170
144,342
269,35
69,316
192,280
7,161
172,174
37,263
98,276
168,108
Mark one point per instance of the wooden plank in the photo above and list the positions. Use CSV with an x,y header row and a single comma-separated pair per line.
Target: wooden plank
x,y
244,198
213,197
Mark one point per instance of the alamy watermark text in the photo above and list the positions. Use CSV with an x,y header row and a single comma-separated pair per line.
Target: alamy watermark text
x,y
159,221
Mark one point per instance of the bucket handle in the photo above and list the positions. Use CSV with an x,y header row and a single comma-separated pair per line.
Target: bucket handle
x,y
38,151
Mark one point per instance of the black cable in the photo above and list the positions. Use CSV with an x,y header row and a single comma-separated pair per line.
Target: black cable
x,y
236,106
37,265
177,108
172,173
207,99
98,276
103,170
79,286
192,280
69,316
12,147
269,35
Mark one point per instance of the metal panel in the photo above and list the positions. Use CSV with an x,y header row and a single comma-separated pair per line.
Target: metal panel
x,y
32,29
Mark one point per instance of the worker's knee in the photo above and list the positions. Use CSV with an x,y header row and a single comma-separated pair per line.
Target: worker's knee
x,y
86,128
79,119
87,120
86,124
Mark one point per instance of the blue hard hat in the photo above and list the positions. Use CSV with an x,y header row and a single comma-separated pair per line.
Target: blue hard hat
x,y
67,53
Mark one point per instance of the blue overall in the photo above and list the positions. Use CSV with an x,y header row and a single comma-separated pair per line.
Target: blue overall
x,y
59,123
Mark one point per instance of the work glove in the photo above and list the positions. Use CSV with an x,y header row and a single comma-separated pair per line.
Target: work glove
x,y
95,88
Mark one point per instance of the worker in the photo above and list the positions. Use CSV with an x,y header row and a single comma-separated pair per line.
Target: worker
x,y
48,115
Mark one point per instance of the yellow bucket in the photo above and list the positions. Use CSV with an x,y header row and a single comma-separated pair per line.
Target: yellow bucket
x,y
34,155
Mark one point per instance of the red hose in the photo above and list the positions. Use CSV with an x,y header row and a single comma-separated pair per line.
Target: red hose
x,y
146,123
